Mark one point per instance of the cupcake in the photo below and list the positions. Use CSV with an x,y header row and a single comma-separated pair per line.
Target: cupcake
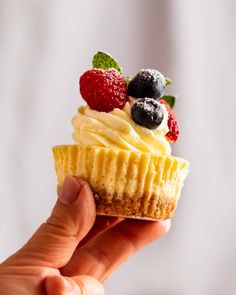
x,y
122,143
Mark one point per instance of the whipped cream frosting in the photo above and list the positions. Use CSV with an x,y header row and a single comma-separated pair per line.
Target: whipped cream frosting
x,y
117,129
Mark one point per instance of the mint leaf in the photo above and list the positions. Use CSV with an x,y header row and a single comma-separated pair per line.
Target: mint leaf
x,y
104,61
170,99
168,81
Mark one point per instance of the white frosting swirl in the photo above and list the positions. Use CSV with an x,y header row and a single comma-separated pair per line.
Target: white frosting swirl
x,y
117,129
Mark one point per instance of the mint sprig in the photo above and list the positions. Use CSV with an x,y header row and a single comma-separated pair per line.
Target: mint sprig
x,y
104,61
170,99
168,81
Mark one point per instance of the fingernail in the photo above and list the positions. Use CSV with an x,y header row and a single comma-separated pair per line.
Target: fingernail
x,y
69,191
68,285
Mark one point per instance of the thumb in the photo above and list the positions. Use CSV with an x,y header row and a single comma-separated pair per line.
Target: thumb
x,y
72,217
78,285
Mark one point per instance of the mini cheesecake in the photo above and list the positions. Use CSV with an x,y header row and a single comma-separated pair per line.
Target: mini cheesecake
x,y
122,143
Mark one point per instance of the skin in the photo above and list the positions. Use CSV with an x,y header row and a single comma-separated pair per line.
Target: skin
x,y
75,251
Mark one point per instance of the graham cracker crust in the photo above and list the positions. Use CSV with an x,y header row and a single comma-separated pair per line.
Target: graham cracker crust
x,y
142,208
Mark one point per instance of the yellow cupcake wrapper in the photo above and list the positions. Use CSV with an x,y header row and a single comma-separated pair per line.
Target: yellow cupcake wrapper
x,y
124,176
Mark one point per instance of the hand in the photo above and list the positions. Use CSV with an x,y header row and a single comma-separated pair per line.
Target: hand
x,y
74,252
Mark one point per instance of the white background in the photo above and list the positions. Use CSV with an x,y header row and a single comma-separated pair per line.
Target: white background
x,y
46,45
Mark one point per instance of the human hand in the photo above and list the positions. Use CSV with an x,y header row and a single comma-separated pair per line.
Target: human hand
x,y
74,252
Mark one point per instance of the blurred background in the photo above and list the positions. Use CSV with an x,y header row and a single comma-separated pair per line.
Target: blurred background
x,y
46,45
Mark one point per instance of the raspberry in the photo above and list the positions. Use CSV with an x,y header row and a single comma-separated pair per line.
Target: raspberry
x,y
173,133
103,90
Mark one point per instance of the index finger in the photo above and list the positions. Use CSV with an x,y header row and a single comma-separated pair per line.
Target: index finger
x,y
101,256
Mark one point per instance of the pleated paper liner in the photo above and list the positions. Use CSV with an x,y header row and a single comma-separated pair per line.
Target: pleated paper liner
x,y
125,183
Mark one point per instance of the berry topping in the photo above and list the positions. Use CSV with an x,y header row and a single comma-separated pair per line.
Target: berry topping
x,y
103,90
147,83
147,112
173,133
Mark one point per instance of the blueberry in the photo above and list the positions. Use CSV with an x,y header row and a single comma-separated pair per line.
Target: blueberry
x,y
147,112
147,83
